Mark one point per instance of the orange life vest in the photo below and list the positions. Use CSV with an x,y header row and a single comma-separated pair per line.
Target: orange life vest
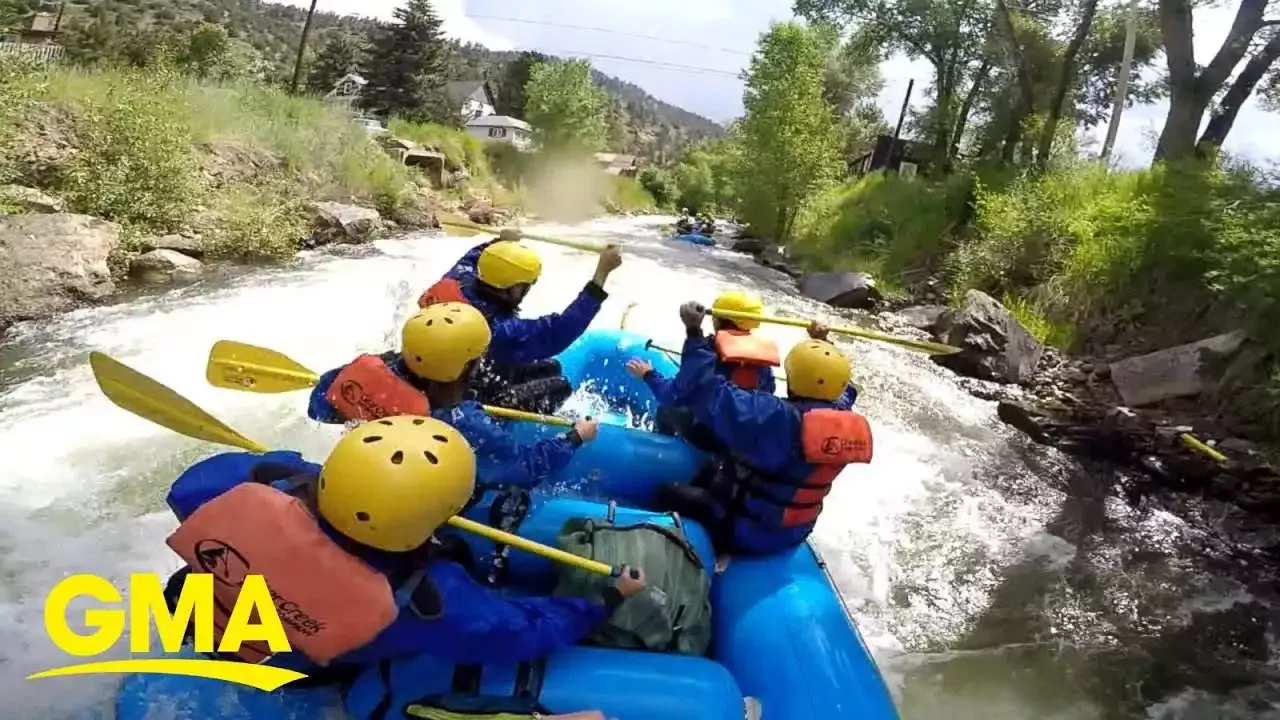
x,y
747,353
830,440
329,601
366,389
445,290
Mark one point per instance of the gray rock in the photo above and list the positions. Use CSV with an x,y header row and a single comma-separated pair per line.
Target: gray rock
x,y
922,317
189,245
337,222
841,289
53,263
30,199
163,265
1172,372
994,345
752,246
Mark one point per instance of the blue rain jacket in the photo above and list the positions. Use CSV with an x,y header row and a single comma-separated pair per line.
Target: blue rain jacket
x,y
756,428
519,340
500,458
478,625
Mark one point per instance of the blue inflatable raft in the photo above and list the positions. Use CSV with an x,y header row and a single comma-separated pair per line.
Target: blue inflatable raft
x,y
781,633
694,238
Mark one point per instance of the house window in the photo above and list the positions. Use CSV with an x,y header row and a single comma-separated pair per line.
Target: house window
x,y
497,132
907,168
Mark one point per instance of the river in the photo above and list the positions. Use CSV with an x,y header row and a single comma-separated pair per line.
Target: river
x,y
993,578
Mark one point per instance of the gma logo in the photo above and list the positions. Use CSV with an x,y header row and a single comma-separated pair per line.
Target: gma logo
x,y
147,605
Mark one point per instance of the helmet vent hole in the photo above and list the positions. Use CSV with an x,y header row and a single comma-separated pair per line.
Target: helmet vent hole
x,y
388,423
418,421
440,438
372,439
431,458
448,320
429,322
362,516
397,457
418,358
821,381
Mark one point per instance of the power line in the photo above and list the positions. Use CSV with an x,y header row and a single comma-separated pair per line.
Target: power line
x,y
659,63
611,32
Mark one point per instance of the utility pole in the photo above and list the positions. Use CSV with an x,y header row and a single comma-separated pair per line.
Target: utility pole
x,y
1122,82
302,48
902,116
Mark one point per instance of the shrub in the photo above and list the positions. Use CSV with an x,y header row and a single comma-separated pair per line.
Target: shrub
x,y
254,222
627,195
134,162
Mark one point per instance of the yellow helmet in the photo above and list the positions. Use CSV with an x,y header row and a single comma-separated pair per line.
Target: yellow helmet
x,y
505,263
739,301
390,483
816,369
439,340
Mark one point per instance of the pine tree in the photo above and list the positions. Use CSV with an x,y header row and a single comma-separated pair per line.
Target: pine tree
x,y
341,54
406,67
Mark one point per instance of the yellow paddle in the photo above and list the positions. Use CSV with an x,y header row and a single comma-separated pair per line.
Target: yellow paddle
x,y
238,366
148,399
576,244
931,348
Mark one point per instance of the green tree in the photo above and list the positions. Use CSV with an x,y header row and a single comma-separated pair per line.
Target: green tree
x,y
406,67
14,11
659,183
790,143
510,91
851,85
341,54
565,107
204,52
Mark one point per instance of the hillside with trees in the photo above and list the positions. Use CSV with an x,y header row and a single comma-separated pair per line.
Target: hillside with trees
x,y
263,40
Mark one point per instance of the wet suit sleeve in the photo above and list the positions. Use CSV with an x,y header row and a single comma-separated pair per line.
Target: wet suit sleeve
x,y
519,340
478,625
319,408
512,462
659,386
848,397
753,424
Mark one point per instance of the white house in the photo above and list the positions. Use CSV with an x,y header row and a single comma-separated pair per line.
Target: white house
x,y
502,128
346,91
474,98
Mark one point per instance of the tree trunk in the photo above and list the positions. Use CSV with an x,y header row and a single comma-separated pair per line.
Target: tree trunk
x,y
1189,92
1065,78
1026,91
970,98
1220,122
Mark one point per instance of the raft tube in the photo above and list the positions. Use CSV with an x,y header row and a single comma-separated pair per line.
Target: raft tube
x,y
694,238
781,636
626,462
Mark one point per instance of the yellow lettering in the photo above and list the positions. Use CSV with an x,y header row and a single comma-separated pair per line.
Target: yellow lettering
x,y
107,624
146,601
254,595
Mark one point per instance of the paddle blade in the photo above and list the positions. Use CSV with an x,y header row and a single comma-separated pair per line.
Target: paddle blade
x,y
237,366
587,245
148,399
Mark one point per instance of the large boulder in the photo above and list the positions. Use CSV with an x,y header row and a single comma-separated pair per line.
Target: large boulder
x,y
336,222
51,263
163,265
30,199
1174,372
751,246
191,245
994,346
841,289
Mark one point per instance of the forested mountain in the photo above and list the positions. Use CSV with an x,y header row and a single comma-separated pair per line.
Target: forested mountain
x,y
265,37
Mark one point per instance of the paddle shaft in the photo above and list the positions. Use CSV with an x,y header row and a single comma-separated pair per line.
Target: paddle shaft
x,y
150,400
919,345
576,244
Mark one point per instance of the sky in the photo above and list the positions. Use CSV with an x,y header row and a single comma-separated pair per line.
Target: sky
x,y
718,36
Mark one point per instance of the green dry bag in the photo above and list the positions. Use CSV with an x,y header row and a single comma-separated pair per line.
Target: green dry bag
x,y
673,614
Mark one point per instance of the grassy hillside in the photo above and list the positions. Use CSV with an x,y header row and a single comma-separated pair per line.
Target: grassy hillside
x,y
266,34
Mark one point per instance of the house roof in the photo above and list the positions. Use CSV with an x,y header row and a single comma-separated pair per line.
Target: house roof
x,y
459,90
499,121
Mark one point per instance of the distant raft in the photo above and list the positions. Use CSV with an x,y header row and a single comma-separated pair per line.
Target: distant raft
x,y
694,238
